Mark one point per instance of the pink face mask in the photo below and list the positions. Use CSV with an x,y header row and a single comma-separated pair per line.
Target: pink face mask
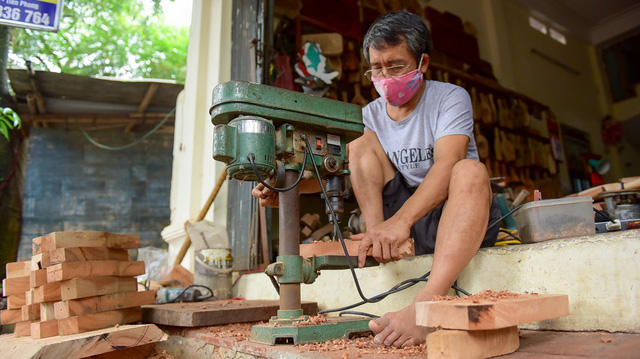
x,y
399,90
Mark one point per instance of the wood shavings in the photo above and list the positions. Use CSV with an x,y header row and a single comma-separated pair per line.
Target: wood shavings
x,y
314,320
238,332
485,295
358,347
605,340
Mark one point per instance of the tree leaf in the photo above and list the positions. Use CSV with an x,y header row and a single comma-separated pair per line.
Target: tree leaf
x,y
4,131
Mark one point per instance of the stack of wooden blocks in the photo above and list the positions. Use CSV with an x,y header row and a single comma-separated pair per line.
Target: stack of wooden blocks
x,y
484,328
75,282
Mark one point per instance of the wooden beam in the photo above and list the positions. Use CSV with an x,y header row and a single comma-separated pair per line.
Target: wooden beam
x,y
148,96
18,269
56,240
44,329
64,271
486,314
31,312
103,303
82,254
22,329
89,287
49,292
16,285
38,278
81,345
47,311
41,260
475,344
16,301
10,316
85,323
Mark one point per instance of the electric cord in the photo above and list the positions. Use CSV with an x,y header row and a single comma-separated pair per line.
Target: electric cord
x,y
193,286
251,157
602,213
119,148
497,221
510,235
353,312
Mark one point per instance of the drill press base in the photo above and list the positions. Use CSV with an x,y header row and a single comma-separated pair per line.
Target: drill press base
x,y
297,331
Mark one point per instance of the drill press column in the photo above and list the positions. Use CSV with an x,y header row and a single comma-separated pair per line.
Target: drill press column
x,y
289,241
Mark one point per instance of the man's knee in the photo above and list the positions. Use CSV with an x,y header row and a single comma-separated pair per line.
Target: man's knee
x,y
470,174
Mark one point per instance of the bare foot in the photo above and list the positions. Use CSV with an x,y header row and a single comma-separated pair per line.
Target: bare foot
x,y
398,328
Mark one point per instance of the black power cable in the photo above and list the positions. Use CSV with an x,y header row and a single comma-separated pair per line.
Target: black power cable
x,y
251,157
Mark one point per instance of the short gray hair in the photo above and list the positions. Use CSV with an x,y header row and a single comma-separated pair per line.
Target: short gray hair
x,y
393,28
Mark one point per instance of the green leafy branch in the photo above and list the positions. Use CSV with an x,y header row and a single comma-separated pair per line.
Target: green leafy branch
x,y
9,121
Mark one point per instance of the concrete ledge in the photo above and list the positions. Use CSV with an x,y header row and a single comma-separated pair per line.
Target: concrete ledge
x,y
600,273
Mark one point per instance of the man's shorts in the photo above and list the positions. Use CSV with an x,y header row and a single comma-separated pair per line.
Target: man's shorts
x,y
396,192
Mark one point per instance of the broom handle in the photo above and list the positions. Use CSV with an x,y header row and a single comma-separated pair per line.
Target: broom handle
x,y
187,242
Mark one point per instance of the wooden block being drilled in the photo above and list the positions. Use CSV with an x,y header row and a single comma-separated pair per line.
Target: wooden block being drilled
x,y
83,254
334,248
44,329
103,303
38,278
474,344
16,285
57,240
18,269
64,271
487,314
91,287
85,323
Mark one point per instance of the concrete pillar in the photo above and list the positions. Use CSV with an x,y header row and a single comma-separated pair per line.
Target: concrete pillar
x,y
194,170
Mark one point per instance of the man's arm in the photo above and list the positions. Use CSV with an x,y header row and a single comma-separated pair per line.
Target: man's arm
x,y
386,237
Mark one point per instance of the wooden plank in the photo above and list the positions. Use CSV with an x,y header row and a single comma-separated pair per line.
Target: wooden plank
x,y
486,314
83,254
44,329
335,249
40,261
10,316
139,352
18,269
22,329
103,303
31,312
91,239
216,312
49,292
81,345
182,275
85,323
47,311
64,271
38,278
16,285
476,344
90,287
16,301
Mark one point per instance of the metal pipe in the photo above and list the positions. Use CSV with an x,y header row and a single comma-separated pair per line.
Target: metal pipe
x,y
289,242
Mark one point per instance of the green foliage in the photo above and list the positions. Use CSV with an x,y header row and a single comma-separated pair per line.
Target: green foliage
x,y
9,120
118,38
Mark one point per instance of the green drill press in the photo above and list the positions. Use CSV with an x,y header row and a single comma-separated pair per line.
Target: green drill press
x,y
266,132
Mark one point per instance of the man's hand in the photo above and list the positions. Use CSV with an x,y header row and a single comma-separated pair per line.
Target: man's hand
x,y
385,238
267,197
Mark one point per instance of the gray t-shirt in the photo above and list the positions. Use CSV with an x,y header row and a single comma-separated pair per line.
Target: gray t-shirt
x,y
444,109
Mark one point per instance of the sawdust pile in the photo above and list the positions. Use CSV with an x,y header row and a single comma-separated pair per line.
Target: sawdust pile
x,y
485,295
238,332
358,347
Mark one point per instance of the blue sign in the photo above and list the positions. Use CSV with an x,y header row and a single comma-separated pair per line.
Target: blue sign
x,y
32,14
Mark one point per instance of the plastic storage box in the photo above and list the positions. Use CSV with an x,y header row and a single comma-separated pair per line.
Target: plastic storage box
x,y
540,221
